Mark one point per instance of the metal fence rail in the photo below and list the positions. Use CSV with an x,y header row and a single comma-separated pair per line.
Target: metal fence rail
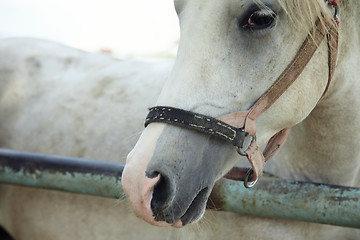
x,y
68,174
271,197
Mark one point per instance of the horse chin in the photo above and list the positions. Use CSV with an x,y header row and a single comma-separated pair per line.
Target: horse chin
x,y
197,208
195,211
192,215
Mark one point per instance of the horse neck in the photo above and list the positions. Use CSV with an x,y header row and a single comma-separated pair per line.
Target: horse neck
x,y
325,146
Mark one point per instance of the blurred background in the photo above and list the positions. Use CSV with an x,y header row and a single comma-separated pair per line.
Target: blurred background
x,y
124,28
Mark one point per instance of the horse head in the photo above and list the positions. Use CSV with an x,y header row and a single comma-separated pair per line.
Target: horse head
x,y
230,53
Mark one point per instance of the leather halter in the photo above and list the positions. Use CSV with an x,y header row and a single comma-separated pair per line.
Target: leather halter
x,y
239,128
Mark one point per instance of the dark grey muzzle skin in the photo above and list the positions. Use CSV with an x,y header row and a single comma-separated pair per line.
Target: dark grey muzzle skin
x,y
189,163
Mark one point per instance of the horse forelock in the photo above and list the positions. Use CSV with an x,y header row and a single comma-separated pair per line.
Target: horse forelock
x,y
303,12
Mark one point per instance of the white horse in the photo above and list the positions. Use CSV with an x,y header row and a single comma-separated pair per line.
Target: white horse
x,y
62,101
230,53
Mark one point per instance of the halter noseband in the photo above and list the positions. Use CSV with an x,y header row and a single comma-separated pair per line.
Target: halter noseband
x,y
239,128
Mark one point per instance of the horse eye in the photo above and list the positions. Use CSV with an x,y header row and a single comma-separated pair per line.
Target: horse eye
x,y
259,19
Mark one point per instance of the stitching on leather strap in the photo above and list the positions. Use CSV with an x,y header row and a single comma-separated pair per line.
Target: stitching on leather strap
x,y
195,121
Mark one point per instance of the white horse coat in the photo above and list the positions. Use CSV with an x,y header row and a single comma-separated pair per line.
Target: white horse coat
x,y
62,101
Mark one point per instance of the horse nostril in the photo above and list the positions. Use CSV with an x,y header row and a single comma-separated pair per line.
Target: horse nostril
x,y
161,191
161,196
170,203
151,175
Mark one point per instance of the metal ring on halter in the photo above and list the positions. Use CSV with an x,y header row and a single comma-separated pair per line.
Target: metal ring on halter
x,y
247,183
248,140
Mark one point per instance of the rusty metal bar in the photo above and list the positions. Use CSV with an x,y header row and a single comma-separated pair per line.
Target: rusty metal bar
x,y
69,174
271,197
302,201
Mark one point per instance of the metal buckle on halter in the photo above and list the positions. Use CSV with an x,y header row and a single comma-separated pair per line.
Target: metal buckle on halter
x,y
245,145
248,140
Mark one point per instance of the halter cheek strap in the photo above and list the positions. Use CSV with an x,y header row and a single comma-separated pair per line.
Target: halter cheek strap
x,y
239,128
247,119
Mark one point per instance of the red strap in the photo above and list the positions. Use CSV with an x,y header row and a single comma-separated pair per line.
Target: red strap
x,y
256,159
247,119
290,74
275,143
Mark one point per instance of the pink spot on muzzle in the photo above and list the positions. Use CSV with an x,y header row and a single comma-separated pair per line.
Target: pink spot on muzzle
x,y
137,187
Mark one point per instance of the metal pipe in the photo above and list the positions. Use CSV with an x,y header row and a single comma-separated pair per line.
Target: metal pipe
x,y
69,174
301,201
271,197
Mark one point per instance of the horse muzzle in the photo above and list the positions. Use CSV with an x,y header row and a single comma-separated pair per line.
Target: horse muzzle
x,y
170,174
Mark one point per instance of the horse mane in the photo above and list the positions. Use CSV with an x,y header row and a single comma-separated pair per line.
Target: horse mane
x,y
303,13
